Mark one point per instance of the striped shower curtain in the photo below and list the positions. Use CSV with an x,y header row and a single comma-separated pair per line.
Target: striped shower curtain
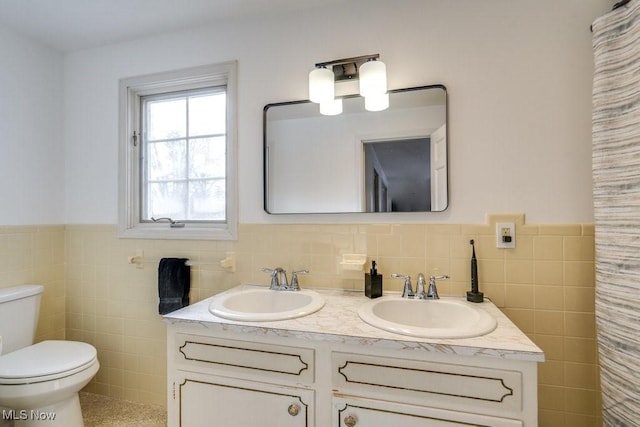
x,y
616,191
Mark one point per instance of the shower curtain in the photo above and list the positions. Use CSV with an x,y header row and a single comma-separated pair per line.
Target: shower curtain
x,y
616,192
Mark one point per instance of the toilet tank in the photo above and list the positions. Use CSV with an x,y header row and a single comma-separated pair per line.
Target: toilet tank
x,y
19,309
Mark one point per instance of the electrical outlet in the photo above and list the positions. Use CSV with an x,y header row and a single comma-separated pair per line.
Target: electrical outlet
x,y
505,235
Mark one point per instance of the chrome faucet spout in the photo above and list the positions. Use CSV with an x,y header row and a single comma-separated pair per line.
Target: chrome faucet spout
x,y
283,282
278,278
420,285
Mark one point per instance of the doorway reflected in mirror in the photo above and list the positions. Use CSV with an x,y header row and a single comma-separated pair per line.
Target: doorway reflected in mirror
x,y
397,175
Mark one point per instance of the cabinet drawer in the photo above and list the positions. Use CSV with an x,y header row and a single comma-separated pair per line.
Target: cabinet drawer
x,y
275,362
355,412
428,383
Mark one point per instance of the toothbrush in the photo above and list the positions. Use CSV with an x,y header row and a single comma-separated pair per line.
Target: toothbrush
x,y
474,269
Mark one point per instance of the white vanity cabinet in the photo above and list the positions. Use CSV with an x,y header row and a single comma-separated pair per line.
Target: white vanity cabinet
x,y
226,379
329,369
229,383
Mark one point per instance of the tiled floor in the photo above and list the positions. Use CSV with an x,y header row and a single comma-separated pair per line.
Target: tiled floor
x,y
104,411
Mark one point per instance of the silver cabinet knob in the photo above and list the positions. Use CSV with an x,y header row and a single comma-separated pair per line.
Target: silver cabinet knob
x,y
350,420
293,410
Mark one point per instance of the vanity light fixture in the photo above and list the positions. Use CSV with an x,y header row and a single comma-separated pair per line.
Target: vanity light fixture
x,y
372,76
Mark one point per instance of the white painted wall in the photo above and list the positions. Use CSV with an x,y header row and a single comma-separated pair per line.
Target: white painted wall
x,y
518,75
31,146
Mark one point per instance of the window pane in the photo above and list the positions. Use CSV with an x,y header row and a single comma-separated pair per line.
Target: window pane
x,y
184,163
166,199
207,114
207,200
166,160
207,158
166,119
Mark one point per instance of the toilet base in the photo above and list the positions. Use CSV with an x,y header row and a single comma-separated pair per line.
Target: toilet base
x,y
66,413
30,405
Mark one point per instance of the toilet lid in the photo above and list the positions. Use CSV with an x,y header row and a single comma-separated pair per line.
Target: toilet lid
x,y
45,359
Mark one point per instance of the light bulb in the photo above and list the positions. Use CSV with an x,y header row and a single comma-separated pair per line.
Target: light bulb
x,y
331,108
321,85
373,78
376,102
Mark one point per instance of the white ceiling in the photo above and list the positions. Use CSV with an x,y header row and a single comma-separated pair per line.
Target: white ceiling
x,y
69,25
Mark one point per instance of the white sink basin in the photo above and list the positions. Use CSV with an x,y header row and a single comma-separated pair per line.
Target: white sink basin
x,y
443,318
262,304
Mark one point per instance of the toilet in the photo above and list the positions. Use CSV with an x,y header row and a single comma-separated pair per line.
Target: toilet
x,y
39,383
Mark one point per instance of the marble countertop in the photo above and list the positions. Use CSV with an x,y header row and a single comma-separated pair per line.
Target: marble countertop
x,y
338,321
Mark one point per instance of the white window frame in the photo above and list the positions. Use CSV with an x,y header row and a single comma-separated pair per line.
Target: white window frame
x,y
130,92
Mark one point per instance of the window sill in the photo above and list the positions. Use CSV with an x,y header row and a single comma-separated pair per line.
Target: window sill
x,y
189,232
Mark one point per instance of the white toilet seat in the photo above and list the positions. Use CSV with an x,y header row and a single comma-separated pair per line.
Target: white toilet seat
x,y
46,361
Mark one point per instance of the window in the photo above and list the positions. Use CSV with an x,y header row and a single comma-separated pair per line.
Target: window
x,y
177,154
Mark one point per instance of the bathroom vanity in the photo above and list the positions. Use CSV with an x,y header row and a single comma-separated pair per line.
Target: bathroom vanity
x,y
330,368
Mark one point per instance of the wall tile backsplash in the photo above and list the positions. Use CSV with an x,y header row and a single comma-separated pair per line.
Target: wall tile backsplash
x,y
545,285
35,254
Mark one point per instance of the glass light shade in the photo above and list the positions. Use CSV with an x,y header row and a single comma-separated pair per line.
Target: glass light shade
x,y
331,108
321,85
373,78
376,102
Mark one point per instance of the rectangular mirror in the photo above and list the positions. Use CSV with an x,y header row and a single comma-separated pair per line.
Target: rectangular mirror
x,y
358,161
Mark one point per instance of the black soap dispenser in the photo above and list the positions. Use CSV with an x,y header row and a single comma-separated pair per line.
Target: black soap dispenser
x,y
474,295
373,282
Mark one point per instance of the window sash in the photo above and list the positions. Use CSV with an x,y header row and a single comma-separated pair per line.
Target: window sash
x,y
131,92
146,182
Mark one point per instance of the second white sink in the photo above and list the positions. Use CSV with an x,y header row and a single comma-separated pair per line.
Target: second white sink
x,y
442,318
259,304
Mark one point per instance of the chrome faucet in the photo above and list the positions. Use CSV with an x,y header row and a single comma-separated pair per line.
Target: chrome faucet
x,y
421,283
407,292
279,281
278,278
432,292
283,282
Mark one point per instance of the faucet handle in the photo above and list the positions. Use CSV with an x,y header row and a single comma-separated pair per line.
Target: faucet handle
x,y
274,277
294,279
407,292
432,293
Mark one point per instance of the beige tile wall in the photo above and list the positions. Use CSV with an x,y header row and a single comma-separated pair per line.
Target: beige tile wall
x,y
35,254
545,285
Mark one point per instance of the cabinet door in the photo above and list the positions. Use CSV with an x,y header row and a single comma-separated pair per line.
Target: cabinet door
x,y
224,402
357,412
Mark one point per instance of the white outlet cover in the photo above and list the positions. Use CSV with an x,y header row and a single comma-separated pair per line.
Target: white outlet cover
x,y
511,230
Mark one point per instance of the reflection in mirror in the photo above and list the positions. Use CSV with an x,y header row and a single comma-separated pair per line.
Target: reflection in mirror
x,y
395,177
359,161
